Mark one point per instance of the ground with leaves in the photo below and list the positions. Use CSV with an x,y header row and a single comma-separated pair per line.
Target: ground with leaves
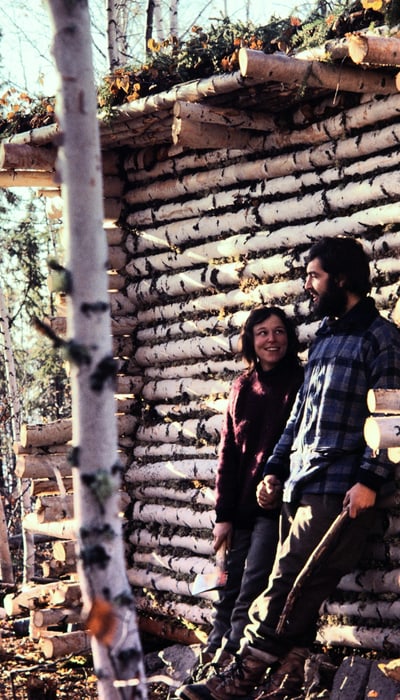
x,y
26,675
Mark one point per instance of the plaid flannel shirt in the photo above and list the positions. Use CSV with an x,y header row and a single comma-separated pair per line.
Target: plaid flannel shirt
x,y
322,449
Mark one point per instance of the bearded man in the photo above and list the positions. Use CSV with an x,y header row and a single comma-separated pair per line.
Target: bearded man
x,y
320,466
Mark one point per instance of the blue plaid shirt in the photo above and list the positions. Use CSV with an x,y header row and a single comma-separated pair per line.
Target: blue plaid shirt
x,y
322,449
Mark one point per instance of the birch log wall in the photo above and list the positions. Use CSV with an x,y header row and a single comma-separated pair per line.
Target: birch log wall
x,y
220,205
210,234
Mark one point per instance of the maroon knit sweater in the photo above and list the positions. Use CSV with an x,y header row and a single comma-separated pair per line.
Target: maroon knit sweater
x,y
259,405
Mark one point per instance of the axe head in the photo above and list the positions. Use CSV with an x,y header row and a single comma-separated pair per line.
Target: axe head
x,y
217,579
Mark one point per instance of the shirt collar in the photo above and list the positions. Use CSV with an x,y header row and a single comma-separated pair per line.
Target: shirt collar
x,y
358,318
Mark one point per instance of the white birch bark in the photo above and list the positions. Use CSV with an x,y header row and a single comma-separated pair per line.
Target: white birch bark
x,y
143,538
169,515
173,18
64,529
188,566
168,389
155,452
158,21
226,366
192,91
206,326
371,581
295,208
117,18
366,114
162,582
283,166
96,475
202,496
15,407
261,67
175,411
382,432
170,608
380,610
381,639
202,469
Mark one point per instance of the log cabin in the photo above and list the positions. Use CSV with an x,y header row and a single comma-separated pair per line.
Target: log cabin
x,y
214,191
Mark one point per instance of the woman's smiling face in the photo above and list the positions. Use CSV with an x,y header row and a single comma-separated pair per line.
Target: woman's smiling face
x,y
270,341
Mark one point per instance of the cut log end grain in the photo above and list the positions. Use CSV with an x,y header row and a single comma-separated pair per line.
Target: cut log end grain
x,y
65,644
382,432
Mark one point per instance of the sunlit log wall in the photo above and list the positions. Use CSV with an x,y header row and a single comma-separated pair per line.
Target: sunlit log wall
x,y
208,235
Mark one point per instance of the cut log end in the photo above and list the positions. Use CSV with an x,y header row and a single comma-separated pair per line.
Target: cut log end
x,y
358,48
372,434
64,644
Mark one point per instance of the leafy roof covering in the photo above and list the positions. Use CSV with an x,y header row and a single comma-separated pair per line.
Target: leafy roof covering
x,y
207,52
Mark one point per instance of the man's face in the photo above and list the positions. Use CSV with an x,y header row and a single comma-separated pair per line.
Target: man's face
x,y
328,296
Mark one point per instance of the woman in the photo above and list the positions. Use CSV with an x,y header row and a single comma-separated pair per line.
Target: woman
x,y
259,404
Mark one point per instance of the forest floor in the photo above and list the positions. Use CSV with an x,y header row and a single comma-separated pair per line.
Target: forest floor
x,y
25,674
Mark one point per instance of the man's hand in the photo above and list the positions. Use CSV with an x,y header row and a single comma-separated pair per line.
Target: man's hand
x,y
269,492
359,498
222,532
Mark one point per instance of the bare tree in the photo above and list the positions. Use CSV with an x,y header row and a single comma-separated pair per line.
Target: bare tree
x,y
117,24
149,24
107,597
173,18
7,573
158,21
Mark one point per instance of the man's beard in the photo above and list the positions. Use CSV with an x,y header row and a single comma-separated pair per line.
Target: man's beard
x,y
333,302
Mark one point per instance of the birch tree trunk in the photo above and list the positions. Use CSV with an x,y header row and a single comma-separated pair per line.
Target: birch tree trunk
x,y
158,21
173,18
106,594
149,24
117,20
28,544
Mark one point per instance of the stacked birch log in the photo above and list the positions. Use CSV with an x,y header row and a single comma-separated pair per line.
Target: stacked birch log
x,y
366,615
211,233
42,460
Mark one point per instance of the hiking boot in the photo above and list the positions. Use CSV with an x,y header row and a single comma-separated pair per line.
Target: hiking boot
x,y
220,660
287,681
209,663
204,660
237,680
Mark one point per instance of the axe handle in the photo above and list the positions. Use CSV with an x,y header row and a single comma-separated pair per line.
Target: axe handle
x,y
220,557
322,548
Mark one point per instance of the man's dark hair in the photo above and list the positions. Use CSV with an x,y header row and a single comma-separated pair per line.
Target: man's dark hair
x,y
344,256
258,315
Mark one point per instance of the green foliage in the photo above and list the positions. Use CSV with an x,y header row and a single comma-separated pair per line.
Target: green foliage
x,y
43,382
27,240
205,53
20,112
317,27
